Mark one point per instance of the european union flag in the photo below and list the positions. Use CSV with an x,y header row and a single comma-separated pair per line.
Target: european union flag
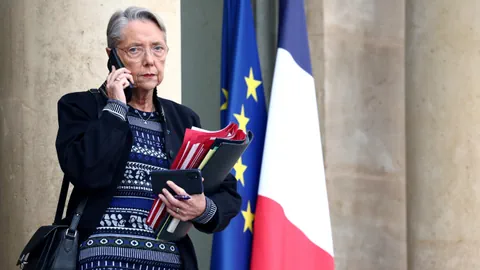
x,y
242,102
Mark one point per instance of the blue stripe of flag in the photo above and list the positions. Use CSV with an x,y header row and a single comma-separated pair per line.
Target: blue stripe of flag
x,y
292,34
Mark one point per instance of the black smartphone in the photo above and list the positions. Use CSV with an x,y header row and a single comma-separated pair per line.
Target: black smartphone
x,y
189,179
114,60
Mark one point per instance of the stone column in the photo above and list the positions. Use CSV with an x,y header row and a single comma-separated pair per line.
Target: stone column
x,y
364,130
266,29
443,134
49,48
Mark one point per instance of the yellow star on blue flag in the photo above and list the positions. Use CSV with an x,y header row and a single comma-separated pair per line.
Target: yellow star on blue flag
x,y
242,101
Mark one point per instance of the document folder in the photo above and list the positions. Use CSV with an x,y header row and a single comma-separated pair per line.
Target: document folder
x,y
208,154
222,161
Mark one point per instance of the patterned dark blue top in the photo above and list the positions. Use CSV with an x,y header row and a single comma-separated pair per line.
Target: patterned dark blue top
x,y
123,240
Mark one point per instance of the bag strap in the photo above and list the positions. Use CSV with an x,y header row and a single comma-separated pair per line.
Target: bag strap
x,y
61,204
98,98
72,229
64,189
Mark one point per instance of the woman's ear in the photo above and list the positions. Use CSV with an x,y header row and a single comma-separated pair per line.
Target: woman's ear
x,y
108,50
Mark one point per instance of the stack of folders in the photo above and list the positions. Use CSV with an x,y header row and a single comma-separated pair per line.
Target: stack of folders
x,y
207,154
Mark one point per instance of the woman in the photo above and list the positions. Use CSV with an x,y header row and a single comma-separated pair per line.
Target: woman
x,y
108,156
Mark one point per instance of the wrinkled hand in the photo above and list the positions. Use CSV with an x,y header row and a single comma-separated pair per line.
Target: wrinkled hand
x,y
118,80
183,210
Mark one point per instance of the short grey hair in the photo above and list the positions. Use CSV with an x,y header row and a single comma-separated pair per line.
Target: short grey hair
x,y
120,19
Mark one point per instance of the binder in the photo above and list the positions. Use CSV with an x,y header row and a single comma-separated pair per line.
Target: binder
x,y
197,142
222,161
213,155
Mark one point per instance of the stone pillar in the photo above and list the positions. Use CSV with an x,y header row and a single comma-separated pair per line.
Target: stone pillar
x,y
364,91
49,48
443,134
266,29
315,26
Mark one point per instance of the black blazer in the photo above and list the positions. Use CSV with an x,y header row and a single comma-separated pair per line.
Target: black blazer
x,y
93,151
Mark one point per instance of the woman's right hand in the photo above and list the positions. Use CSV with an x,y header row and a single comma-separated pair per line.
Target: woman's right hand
x,y
118,80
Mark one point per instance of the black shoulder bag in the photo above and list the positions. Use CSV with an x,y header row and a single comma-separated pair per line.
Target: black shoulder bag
x,y
54,246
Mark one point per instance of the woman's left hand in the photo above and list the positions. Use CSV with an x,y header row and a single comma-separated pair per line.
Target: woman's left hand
x,y
183,210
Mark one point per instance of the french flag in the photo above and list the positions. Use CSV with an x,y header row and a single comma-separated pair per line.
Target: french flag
x,y
292,227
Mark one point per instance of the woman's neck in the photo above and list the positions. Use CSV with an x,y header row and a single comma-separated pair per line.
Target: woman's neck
x,y
142,100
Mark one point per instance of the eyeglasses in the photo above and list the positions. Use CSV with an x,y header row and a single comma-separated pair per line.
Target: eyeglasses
x,y
136,53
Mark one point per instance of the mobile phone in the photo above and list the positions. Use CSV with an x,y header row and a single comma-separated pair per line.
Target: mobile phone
x,y
114,60
189,179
